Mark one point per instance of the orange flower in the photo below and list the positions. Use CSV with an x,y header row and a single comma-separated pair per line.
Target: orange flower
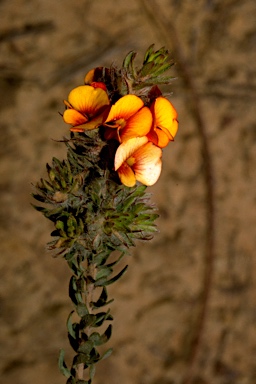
x,y
165,123
86,105
138,159
128,118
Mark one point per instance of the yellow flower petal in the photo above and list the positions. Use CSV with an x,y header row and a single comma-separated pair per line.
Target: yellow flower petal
x,y
126,175
138,125
126,150
148,164
125,107
87,99
73,117
165,115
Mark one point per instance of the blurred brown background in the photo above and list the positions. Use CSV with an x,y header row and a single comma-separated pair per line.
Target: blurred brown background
x,y
185,312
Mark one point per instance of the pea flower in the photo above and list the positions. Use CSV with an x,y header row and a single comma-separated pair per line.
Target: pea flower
x,y
165,123
85,107
128,118
137,159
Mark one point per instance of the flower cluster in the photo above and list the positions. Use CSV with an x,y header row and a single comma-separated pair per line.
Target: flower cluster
x,y
140,129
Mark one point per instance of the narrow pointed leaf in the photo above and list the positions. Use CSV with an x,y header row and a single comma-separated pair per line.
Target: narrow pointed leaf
x,y
62,365
115,278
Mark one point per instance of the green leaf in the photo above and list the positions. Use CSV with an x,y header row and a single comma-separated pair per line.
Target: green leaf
x,y
127,203
47,185
87,320
95,356
148,53
73,265
102,299
128,59
82,358
106,354
82,309
87,358
122,239
106,335
70,255
102,257
104,282
73,290
98,339
139,190
95,337
148,228
101,317
70,328
62,365
117,277
138,208
100,282
86,347
103,271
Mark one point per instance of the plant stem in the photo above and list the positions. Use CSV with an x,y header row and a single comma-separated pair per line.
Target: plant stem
x,y
90,287
80,371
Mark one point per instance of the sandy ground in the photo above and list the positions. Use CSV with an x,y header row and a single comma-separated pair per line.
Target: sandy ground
x,y
185,311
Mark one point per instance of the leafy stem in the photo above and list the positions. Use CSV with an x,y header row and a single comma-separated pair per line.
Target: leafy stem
x,y
92,197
